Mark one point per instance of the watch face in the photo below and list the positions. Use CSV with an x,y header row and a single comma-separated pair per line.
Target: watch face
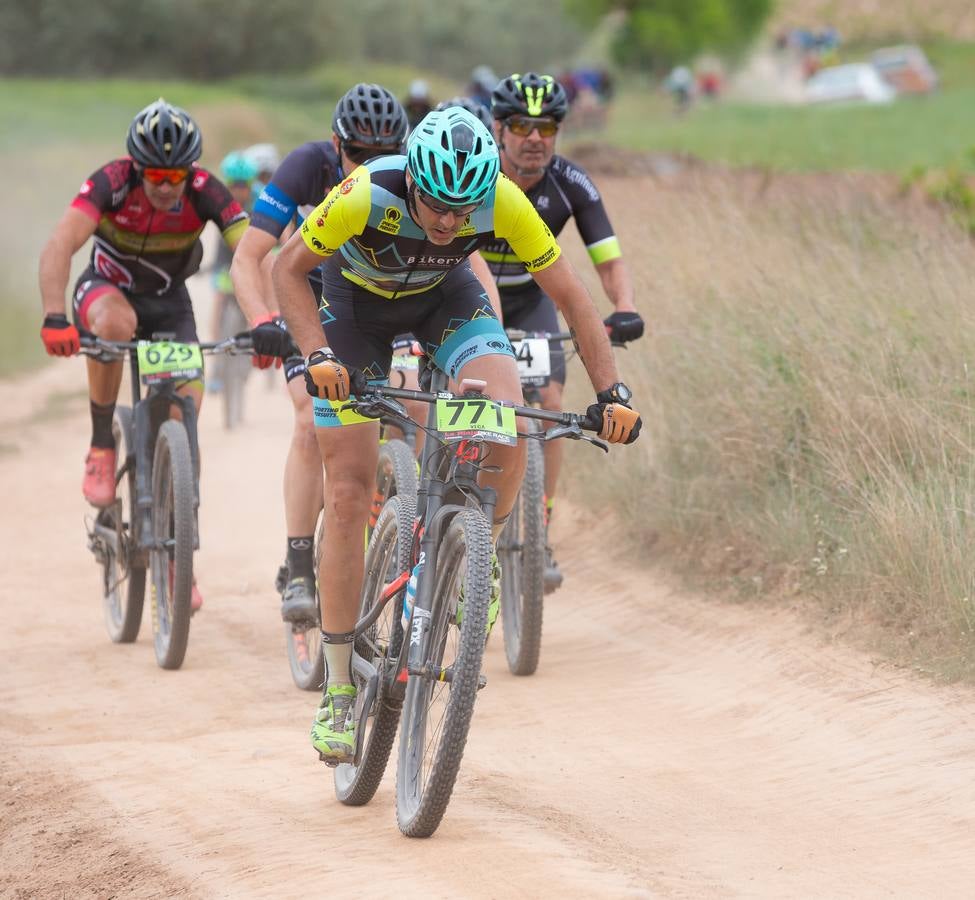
x,y
623,393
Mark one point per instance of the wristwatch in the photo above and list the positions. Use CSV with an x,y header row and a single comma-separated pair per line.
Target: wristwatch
x,y
616,393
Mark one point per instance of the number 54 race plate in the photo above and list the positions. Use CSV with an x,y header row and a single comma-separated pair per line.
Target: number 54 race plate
x,y
534,365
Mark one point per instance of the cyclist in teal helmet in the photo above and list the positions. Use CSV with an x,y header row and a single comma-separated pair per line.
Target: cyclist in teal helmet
x,y
238,172
236,167
395,242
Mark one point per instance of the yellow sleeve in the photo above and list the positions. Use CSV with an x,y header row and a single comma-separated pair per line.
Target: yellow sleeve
x,y
342,214
516,220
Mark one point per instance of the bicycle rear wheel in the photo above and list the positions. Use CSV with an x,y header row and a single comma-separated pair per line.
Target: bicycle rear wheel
x,y
123,566
304,639
437,713
171,557
521,552
376,716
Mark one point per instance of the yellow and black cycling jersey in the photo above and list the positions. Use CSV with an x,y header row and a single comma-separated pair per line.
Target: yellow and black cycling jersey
x,y
365,228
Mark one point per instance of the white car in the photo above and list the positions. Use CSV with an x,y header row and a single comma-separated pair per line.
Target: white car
x,y
850,83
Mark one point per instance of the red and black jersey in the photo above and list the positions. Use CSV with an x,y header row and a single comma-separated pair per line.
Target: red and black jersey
x,y
144,250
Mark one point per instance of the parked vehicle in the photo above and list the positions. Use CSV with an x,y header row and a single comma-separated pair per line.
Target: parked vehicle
x,y
850,83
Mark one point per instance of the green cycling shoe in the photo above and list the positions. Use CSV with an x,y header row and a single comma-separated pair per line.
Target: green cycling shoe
x,y
494,606
333,731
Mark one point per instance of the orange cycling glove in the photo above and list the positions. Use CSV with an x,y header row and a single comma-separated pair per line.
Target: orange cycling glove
x,y
327,379
60,337
619,423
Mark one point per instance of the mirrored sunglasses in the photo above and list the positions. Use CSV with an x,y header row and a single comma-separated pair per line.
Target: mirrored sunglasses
x,y
158,176
524,126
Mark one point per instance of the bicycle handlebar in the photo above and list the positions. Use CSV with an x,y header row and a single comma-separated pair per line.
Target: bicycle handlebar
x,y
381,399
516,334
92,345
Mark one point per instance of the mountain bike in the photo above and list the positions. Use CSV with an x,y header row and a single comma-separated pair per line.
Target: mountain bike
x,y
523,549
151,527
417,658
395,473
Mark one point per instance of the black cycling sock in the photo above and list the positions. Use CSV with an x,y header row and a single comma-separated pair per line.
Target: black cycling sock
x,y
301,560
101,425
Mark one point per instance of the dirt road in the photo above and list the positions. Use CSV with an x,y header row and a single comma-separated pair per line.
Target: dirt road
x,y
667,747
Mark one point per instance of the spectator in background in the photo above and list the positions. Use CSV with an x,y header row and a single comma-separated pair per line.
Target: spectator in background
x,y
482,84
418,102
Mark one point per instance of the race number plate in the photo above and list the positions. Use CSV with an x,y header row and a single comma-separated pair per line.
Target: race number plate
x,y
165,360
466,417
534,365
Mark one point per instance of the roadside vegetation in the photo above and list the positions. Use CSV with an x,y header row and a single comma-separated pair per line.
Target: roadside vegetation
x,y
809,392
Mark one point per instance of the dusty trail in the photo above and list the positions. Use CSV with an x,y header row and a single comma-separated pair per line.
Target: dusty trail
x,y
668,747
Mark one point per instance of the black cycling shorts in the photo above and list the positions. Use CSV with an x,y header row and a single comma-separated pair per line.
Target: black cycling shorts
x,y
453,322
170,313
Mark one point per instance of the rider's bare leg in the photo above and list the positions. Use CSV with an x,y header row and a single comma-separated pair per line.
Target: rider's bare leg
x,y
303,466
349,454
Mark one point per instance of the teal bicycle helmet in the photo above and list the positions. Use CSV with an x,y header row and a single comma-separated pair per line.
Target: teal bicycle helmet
x,y
452,157
235,166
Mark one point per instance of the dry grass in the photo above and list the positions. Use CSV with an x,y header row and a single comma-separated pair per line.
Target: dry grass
x,y
881,19
808,393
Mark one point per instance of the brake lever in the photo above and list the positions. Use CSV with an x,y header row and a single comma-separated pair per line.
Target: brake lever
x,y
574,432
376,407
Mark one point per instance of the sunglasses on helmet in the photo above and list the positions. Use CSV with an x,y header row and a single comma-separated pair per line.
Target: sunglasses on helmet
x,y
441,209
158,176
525,125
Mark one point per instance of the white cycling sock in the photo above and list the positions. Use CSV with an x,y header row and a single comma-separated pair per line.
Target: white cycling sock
x,y
338,662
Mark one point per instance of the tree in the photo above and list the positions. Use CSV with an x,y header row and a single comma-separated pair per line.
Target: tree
x,y
657,34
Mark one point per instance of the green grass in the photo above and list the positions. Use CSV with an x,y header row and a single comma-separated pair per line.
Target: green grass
x,y
932,131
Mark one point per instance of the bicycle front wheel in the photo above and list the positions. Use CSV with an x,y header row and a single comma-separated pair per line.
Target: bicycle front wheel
x,y
376,716
171,557
439,703
395,475
123,566
521,552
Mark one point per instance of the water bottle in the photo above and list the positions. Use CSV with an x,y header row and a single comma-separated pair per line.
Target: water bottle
x,y
410,596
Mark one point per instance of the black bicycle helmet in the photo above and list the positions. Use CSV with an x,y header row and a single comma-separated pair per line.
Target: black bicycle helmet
x,y
368,114
164,136
472,106
529,95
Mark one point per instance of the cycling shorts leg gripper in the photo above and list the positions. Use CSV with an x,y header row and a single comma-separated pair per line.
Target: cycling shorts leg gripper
x,y
329,413
478,337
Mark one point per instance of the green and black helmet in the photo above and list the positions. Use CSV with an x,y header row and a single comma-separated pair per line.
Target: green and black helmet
x,y
529,95
164,136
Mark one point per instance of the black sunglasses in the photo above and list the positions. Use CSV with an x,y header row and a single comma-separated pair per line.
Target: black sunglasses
x,y
360,155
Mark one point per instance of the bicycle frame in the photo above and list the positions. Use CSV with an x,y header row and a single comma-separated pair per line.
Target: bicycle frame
x,y
149,411
446,470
